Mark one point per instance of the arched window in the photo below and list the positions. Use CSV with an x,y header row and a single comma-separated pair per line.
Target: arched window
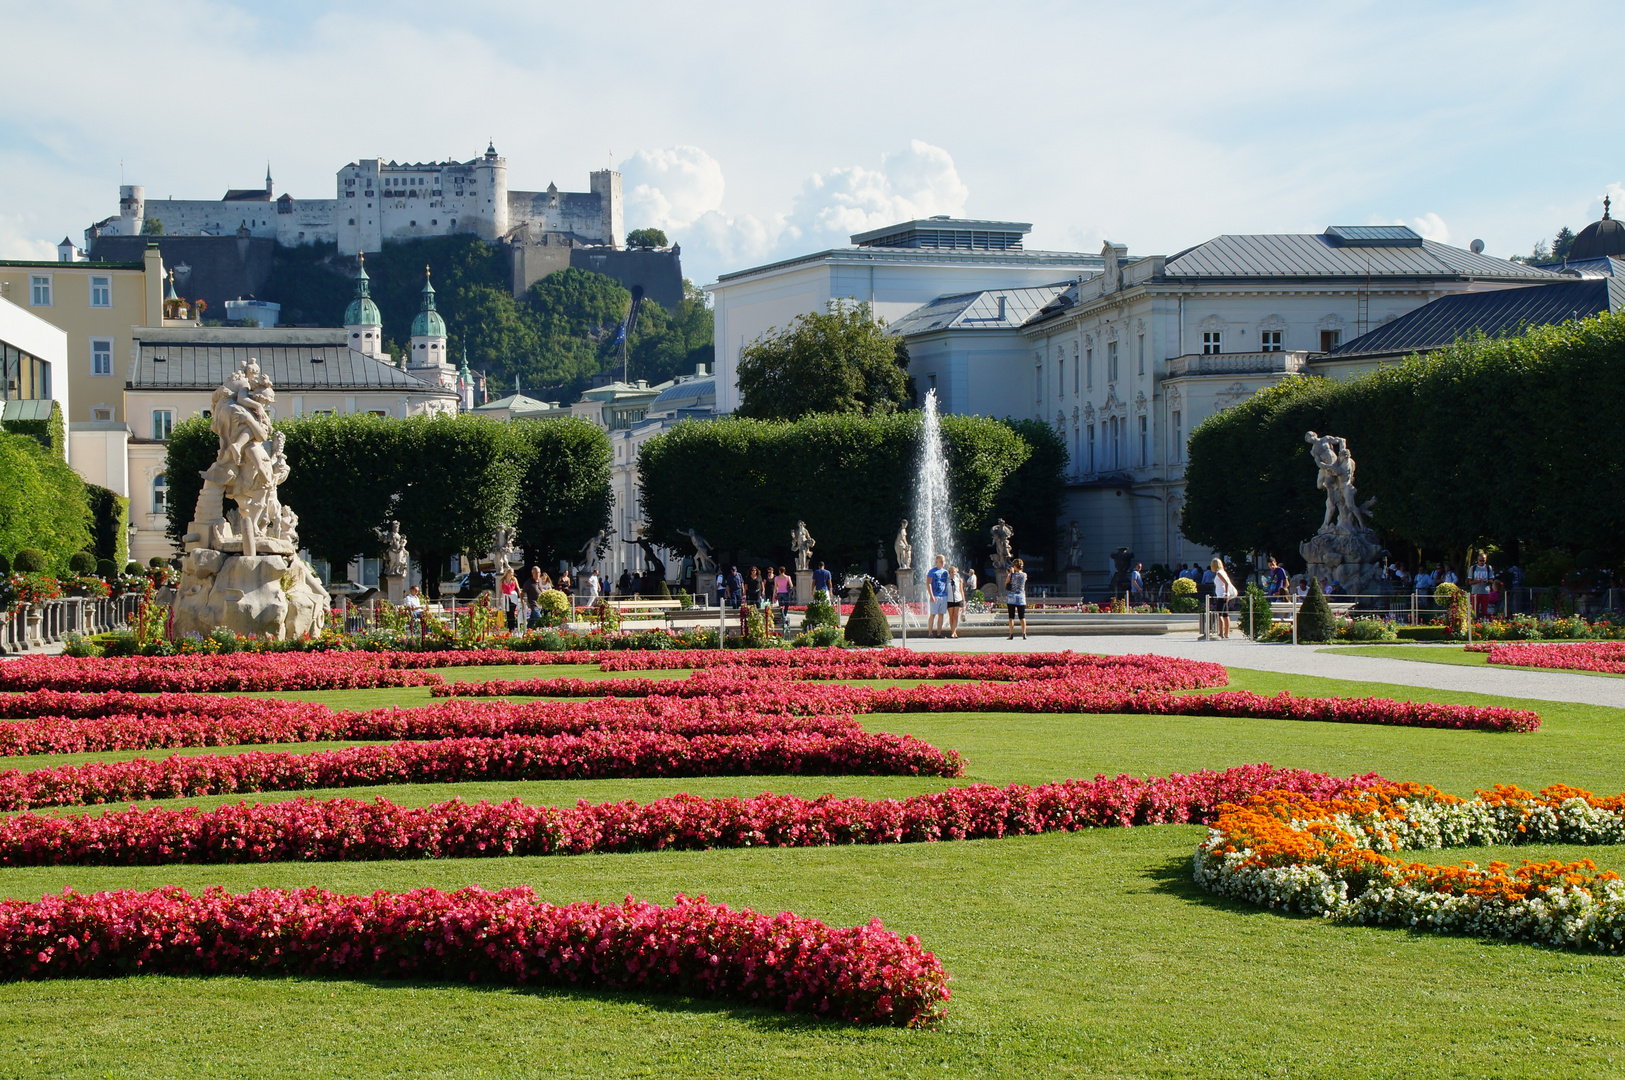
x,y
160,494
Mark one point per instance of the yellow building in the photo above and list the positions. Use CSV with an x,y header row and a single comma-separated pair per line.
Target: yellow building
x,y
97,305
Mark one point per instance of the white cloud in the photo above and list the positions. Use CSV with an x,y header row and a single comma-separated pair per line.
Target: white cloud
x,y
681,189
1430,225
19,239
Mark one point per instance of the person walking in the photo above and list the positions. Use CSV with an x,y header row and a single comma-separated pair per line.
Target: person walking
x,y
823,580
736,587
591,588
508,594
956,600
1015,598
1136,584
564,582
1278,582
1481,582
1224,591
533,588
781,589
970,581
753,596
936,583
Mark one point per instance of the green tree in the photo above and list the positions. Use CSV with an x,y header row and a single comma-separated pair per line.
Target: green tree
x,y
665,345
744,483
646,238
564,494
42,502
461,477
868,625
836,361
1030,500
152,227
342,482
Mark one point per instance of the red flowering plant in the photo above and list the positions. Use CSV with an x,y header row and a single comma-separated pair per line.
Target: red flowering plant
x,y
32,588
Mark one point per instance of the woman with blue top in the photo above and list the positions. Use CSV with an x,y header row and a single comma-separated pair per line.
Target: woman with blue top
x,y
1015,598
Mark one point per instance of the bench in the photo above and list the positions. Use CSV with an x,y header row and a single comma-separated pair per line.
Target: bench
x,y
643,613
1284,611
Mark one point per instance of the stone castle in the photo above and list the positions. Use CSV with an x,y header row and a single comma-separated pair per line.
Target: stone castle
x,y
378,202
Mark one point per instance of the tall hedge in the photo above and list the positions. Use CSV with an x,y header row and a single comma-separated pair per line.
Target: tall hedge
x,y
1487,441
1030,500
50,433
42,501
450,482
743,484
109,524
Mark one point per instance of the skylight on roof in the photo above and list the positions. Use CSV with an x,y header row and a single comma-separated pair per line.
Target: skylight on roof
x,y
1372,236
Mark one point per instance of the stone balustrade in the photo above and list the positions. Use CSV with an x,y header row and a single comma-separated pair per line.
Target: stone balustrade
x,y
32,627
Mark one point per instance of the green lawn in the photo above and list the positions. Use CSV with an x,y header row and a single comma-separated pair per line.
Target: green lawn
x,y
1083,954
1449,654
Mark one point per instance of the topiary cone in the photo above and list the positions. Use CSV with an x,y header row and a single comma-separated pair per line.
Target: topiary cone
x,y
1315,619
868,625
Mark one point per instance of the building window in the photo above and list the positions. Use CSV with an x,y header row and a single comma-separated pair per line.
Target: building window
x,y
101,356
1117,442
39,290
163,422
160,494
1176,452
1091,448
1142,354
1074,369
1038,382
1060,376
1212,342
1145,441
1330,339
101,292
1111,361
1089,368
101,412
1269,341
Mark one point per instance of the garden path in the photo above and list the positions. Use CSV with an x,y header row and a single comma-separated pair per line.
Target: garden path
x,y
1317,661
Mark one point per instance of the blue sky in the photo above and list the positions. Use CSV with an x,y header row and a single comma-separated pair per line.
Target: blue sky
x,y
752,131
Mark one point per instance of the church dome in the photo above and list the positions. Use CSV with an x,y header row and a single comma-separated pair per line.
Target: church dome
x,y
362,311
1600,238
427,322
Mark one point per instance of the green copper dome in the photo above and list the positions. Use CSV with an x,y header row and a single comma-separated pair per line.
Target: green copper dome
x,y
428,322
362,311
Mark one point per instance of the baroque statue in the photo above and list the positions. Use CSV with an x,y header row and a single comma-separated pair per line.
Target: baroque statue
x,y
395,556
1344,549
1002,552
1074,547
242,568
904,551
802,543
702,551
503,552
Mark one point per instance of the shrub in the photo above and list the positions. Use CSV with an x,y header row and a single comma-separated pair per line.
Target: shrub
x,y
79,645
132,568
1257,605
224,640
107,569
820,613
81,563
120,643
157,562
868,625
555,607
5,566
1422,633
1315,621
31,561
1182,596
1367,629
820,637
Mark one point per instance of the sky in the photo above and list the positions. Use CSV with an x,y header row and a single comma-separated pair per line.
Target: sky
x,y
758,130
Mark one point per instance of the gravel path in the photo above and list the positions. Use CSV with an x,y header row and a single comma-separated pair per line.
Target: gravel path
x,y
1310,660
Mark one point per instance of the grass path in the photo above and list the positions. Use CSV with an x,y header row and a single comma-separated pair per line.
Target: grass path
x,y
1087,954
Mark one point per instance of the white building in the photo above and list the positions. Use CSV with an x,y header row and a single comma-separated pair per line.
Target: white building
x,y
33,368
894,270
1127,363
379,201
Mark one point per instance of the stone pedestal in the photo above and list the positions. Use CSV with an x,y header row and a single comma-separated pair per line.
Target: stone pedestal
x,y
395,589
34,627
1074,583
269,595
804,587
1350,557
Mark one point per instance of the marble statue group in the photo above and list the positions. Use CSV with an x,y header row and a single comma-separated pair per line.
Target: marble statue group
x,y
1344,549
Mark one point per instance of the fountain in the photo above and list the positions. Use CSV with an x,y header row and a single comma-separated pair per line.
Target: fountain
x,y
932,523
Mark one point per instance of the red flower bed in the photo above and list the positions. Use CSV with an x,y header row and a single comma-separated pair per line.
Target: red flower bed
x,y
1603,656
863,974
336,829
205,673
593,754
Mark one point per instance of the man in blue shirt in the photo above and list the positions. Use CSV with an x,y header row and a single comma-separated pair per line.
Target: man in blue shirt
x,y
1278,582
936,580
821,580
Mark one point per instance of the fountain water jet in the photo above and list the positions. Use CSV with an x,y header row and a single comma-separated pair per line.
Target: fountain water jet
x,y
932,523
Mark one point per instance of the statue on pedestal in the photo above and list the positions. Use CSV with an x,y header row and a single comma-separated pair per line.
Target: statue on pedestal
x,y
702,552
802,543
505,553
1002,551
905,552
1344,549
396,560
1074,547
241,569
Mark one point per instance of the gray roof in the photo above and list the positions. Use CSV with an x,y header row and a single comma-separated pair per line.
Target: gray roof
x,y
1058,260
686,394
1310,255
188,359
1601,267
518,403
1496,313
977,310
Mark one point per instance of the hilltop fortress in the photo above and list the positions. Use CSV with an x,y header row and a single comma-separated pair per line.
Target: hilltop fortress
x,y
379,202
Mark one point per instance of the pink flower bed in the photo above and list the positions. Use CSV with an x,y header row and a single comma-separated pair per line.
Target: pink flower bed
x,y
1603,656
211,673
863,974
322,830
592,754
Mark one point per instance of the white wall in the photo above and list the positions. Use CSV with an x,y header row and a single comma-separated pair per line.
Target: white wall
x,y
24,330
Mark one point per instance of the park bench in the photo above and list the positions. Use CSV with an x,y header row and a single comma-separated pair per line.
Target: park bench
x,y
643,613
